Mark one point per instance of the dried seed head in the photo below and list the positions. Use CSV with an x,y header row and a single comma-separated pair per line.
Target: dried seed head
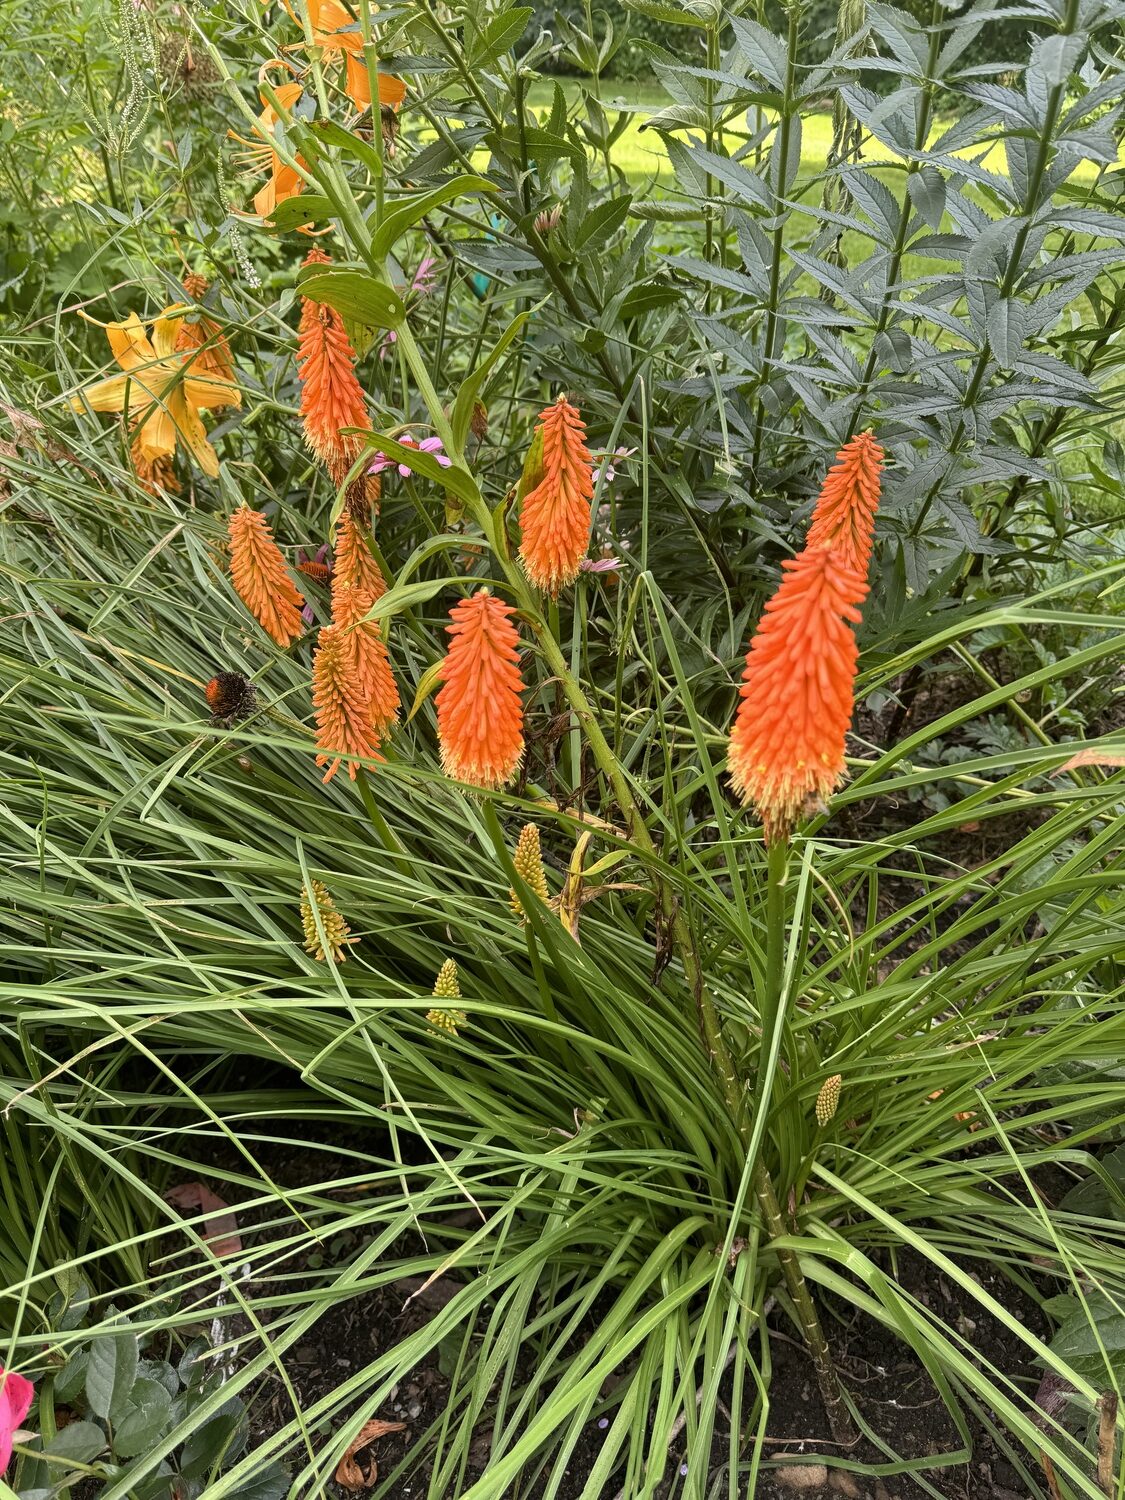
x,y
230,697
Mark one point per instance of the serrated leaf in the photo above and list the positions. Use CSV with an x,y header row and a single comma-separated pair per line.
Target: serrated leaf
x,y
764,51
927,193
500,35
110,1372
355,295
692,13
145,1419
80,1441
1007,327
601,222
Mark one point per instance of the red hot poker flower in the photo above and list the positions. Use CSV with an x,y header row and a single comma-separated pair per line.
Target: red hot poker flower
x,y
260,578
555,516
844,517
371,666
480,716
787,746
331,396
343,716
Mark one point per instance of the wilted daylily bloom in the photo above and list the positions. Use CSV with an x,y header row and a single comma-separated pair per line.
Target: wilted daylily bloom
x,y
284,181
164,391
335,29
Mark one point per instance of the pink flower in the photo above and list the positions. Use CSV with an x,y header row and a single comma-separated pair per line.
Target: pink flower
x,y
606,469
427,445
15,1403
425,277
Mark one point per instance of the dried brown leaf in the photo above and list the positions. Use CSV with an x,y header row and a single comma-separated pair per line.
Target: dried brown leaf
x,y
350,1472
220,1225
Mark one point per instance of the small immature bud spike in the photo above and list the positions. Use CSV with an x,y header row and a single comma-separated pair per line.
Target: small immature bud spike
x,y
528,860
336,930
447,987
828,1100
555,515
261,581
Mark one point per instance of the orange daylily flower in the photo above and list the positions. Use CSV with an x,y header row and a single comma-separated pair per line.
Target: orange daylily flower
x,y
163,390
284,181
334,29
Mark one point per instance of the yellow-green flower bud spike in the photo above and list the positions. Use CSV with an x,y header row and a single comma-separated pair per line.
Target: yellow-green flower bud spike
x,y
446,1020
447,986
828,1100
336,930
528,860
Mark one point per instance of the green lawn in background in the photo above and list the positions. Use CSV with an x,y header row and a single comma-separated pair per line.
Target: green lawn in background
x,y
640,153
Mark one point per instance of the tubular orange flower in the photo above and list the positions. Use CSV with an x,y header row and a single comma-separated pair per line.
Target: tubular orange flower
x,y
259,575
331,396
202,336
844,517
284,181
370,663
787,746
555,515
162,393
480,716
353,562
343,721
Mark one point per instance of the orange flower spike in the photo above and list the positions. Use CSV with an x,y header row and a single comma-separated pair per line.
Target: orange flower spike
x,y
786,750
260,577
343,718
371,666
331,396
353,561
555,516
844,517
479,713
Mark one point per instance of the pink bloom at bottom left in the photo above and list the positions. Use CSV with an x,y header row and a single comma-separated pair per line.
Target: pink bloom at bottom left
x,y
15,1402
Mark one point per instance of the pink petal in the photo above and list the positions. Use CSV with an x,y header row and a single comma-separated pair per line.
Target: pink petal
x,y
16,1393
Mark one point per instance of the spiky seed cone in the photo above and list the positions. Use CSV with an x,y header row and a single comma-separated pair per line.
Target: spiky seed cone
x,y
786,750
343,716
259,575
555,516
528,860
331,396
353,562
370,664
828,1100
336,930
230,697
479,712
844,516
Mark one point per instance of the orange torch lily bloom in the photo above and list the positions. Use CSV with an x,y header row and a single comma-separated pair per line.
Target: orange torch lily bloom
x,y
786,750
555,516
284,181
479,712
844,517
161,388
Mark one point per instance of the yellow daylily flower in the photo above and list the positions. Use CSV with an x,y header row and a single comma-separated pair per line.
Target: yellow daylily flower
x,y
158,390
